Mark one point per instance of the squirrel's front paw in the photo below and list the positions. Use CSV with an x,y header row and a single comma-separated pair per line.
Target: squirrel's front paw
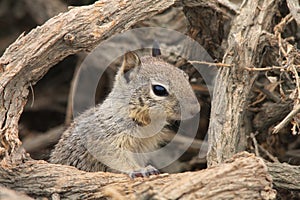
x,y
144,172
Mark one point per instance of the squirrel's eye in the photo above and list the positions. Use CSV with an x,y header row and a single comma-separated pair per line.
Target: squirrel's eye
x,y
159,90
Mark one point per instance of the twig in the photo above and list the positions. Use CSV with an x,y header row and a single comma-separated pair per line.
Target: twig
x,y
255,144
297,81
32,92
199,88
273,158
210,63
284,122
278,29
268,93
264,68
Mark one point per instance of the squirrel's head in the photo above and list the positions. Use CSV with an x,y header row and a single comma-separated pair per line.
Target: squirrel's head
x,y
155,88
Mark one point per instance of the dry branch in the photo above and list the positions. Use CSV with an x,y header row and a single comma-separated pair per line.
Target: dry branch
x,y
285,176
287,119
245,43
31,56
246,174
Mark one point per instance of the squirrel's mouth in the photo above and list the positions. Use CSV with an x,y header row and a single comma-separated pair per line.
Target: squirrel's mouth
x,y
186,115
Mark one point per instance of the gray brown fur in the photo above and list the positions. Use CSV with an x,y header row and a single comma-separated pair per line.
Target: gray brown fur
x,y
104,137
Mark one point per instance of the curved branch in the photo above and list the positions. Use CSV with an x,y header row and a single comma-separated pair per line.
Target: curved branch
x,y
285,176
246,174
30,56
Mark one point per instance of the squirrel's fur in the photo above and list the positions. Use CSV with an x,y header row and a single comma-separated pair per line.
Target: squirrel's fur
x,y
112,136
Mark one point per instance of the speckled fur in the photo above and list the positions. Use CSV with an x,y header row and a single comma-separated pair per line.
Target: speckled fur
x,y
106,137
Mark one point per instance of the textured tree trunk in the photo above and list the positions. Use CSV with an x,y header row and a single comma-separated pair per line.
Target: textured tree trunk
x,y
246,41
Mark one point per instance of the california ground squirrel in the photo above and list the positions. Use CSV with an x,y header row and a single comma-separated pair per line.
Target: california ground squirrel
x,y
148,92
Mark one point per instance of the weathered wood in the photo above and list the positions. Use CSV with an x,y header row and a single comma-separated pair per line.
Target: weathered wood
x,y
202,17
30,56
246,174
233,84
285,176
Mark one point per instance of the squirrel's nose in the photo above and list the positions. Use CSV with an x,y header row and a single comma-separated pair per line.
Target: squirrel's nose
x,y
190,109
195,108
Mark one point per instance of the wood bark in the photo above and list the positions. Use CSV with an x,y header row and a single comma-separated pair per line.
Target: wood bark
x,y
247,175
285,176
31,55
233,84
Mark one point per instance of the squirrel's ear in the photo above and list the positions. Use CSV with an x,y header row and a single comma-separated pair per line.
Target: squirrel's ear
x,y
155,49
131,61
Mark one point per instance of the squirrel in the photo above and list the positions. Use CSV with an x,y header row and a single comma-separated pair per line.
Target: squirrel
x,y
147,94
